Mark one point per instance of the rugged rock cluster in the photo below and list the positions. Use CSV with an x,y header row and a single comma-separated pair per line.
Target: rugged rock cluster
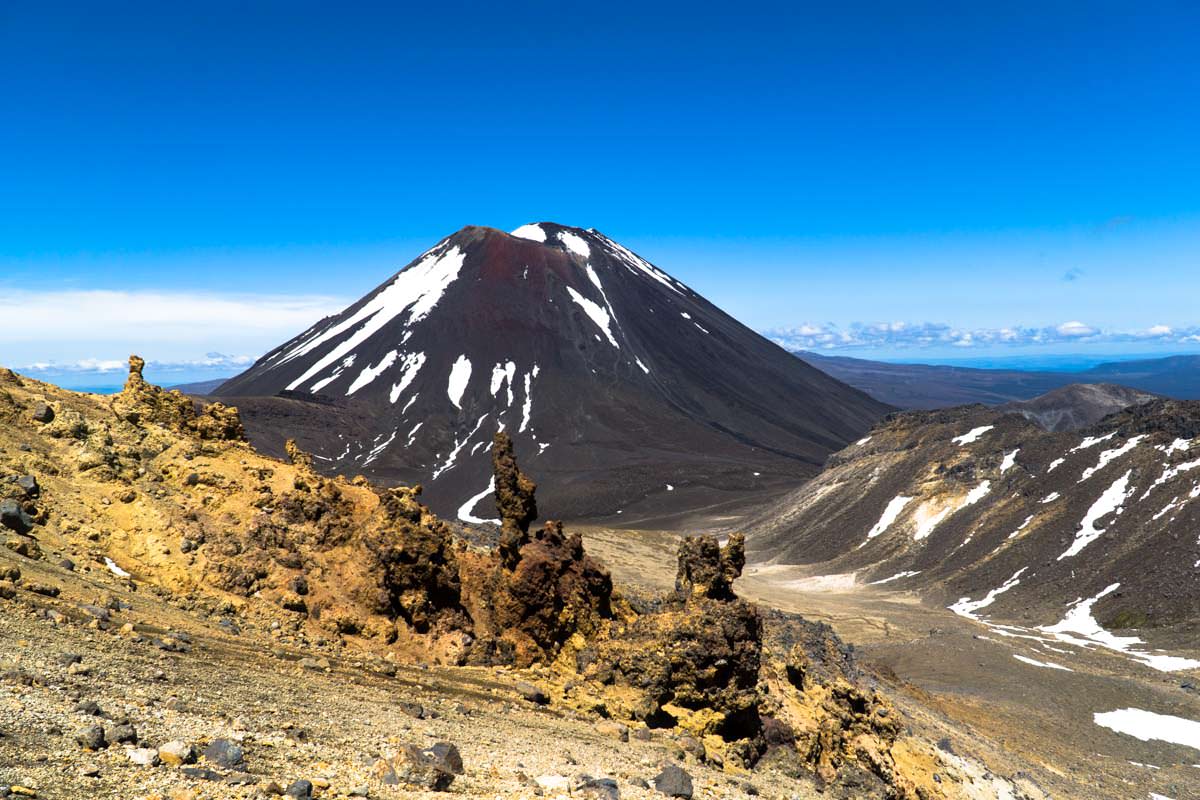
x,y
166,494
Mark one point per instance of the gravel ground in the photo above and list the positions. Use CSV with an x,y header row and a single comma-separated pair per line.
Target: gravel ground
x,y
323,715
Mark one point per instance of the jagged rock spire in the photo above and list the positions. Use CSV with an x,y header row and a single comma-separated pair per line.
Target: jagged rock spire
x,y
515,499
705,568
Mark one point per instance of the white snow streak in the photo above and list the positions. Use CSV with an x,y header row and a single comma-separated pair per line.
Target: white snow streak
x,y
416,290
464,511
1108,456
1081,629
890,513
114,569
1037,663
370,373
926,525
378,449
972,435
1109,502
460,375
458,446
1092,441
503,374
966,607
597,314
1021,527
635,263
1010,461
412,435
527,407
645,369
411,365
896,577
346,364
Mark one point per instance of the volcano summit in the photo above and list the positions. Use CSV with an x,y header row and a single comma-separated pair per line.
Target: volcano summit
x,y
616,381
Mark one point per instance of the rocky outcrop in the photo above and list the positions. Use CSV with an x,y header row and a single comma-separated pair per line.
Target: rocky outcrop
x,y
514,500
693,659
141,402
543,588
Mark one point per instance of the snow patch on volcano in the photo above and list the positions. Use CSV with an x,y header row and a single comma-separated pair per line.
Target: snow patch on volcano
x,y
464,511
595,313
411,364
370,373
416,290
533,233
460,375
575,243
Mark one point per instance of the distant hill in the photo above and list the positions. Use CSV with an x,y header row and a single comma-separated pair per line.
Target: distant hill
x,y
1077,406
926,387
199,387
972,502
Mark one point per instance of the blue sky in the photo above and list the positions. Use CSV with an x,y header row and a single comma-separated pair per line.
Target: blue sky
x,y
979,167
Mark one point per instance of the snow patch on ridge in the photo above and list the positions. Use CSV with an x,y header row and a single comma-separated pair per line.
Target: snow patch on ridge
x,y
532,232
638,265
1108,456
890,513
1091,441
1110,501
1081,629
972,435
575,243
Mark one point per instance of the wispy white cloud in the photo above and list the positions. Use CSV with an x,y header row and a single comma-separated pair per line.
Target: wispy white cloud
x,y
95,330
928,335
216,362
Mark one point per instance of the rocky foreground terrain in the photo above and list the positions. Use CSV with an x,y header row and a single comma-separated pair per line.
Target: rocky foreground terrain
x,y
183,617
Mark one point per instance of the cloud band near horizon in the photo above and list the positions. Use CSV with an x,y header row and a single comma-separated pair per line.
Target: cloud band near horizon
x,y
931,335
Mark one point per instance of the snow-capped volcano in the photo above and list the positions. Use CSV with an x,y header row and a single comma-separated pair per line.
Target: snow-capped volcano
x,y
614,378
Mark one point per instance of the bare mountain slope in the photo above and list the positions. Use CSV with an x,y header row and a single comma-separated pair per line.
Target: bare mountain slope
x,y
982,509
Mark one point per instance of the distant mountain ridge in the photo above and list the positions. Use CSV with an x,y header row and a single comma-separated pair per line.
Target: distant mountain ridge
x,y
617,382
977,508
927,386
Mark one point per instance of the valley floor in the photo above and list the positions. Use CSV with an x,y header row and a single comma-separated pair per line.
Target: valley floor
x,y
982,693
